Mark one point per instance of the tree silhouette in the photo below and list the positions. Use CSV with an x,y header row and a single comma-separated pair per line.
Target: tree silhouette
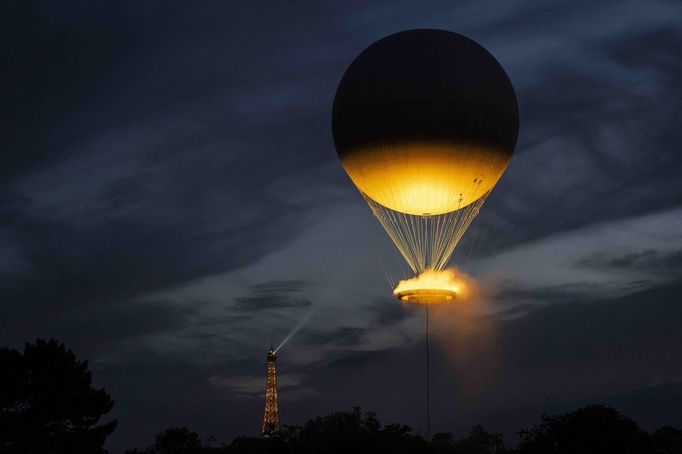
x,y
174,440
442,443
480,442
593,429
477,442
667,440
48,404
343,432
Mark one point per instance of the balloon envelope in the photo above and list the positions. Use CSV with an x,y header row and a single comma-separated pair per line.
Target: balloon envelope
x,y
425,122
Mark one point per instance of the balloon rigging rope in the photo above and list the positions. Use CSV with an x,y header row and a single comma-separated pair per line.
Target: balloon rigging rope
x,y
426,242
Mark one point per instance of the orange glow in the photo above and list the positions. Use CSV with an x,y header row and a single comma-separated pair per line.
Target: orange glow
x,y
433,286
424,178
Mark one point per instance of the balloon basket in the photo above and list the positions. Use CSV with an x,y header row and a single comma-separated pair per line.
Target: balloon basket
x,y
426,295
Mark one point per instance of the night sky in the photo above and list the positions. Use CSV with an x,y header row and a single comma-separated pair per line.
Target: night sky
x,y
171,202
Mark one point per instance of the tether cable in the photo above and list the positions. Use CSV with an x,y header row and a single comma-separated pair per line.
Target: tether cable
x,y
428,409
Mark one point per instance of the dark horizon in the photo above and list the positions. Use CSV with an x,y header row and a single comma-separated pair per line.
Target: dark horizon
x,y
171,202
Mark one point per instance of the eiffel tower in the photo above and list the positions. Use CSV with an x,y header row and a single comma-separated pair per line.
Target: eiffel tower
x,y
271,416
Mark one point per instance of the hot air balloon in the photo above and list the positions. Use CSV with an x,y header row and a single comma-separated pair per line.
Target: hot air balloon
x,y
425,123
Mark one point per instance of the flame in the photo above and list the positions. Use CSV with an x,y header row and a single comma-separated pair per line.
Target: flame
x,y
436,285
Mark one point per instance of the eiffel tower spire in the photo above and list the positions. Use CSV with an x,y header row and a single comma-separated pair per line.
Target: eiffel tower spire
x,y
271,416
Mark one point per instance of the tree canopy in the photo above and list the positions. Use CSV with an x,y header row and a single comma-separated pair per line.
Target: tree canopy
x,y
48,404
592,429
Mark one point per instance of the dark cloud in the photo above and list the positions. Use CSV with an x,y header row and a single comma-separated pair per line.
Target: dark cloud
x,y
654,50
274,294
78,269
95,326
649,260
349,359
387,311
53,63
222,320
342,337
263,302
594,147
545,295
516,310
278,287
615,332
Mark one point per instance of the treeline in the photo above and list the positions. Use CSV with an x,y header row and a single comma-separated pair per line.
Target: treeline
x,y
49,406
591,430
